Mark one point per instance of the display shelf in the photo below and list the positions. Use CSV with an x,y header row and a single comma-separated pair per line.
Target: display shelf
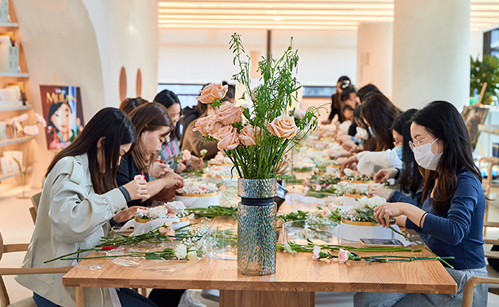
x,y
13,174
15,108
16,75
16,140
492,129
9,25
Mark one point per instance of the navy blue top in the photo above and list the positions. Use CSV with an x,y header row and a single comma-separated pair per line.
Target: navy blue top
x,y
459,231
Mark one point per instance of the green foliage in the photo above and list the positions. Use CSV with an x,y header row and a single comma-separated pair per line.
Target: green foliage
x,y
272,98
485,71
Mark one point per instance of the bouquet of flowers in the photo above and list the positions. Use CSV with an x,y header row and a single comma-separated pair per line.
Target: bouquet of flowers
x,y
198,187
351,176
256,139
364,211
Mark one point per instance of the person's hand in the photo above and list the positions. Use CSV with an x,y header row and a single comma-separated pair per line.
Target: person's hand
x,y
325,122
348,163
180,168
137,189
384,174
127,214
173,180
195,162
158,169
348,144
381,192
386,211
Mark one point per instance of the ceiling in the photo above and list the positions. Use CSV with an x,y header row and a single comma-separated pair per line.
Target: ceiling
x,y
296,14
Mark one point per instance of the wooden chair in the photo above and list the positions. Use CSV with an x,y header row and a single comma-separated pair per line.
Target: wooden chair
x,y
492,161
4,296
492,280
35,199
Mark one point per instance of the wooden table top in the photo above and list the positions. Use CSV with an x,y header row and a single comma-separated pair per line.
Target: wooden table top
x,y
294,272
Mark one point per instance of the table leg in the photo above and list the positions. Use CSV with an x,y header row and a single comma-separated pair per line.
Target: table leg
x,y
248,298
80,297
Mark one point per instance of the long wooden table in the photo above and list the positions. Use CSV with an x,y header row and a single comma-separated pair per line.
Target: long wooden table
x,y
295,282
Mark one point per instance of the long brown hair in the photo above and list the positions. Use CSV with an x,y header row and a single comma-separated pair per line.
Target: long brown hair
x,y
148,117
130,104
116,128
380,113
443,121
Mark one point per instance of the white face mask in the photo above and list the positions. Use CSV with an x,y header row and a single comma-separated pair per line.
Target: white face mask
x,y
424,157
362,133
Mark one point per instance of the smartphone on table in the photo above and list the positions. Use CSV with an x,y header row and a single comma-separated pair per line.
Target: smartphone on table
x,y
380,242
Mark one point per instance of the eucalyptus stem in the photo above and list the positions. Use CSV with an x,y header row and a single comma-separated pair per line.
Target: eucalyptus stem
x,y
425,247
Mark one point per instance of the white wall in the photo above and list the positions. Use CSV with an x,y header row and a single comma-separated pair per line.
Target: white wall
x,y
127,35
476,44
85,43
202,56
375,55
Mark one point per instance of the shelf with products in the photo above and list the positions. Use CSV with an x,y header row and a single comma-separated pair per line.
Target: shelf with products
x,y
13,174
15,108
16,140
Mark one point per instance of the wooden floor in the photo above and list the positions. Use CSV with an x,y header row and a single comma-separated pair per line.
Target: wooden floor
x,y
16,227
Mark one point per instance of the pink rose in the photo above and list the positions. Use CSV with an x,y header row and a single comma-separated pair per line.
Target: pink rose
x,y
227,141
299,113
316,254
138,177
343,256
326,212
228,114
186,154
202,124
283,127
31,130
318,187
247,136
223,133
211,92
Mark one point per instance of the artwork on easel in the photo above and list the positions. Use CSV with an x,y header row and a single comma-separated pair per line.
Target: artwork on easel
x,y
62,109
474,116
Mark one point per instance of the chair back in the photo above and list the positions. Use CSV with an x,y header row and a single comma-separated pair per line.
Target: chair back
x,y
35,199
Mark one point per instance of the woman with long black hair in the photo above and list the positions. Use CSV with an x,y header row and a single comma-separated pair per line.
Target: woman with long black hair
x,y
452,212
79,202
171,147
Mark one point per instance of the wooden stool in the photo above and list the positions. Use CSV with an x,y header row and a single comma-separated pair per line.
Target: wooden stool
x,y
492,162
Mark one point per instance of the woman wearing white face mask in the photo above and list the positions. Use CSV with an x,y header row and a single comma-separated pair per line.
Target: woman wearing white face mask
x,y
452,211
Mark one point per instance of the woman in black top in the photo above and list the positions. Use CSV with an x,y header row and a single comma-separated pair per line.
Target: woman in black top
x,y
152,125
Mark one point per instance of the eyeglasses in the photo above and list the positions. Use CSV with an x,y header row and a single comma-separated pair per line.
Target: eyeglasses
x,y
418,144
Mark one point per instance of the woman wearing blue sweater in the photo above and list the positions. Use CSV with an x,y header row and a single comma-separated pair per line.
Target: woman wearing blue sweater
x,y
452,209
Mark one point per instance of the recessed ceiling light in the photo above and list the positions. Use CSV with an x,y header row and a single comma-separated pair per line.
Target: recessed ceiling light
x,y
278,18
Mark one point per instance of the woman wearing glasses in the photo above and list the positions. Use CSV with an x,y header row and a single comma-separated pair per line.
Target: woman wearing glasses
x,y
452,210
171,147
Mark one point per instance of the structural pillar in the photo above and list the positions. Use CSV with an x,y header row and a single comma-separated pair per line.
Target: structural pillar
x,y
374,55
431,46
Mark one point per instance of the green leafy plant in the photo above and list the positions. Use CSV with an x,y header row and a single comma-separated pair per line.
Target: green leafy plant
x,y
483,71
257,137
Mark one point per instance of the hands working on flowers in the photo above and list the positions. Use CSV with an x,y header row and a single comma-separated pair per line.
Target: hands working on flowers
x,y
126,214
384,174
159,169
385,212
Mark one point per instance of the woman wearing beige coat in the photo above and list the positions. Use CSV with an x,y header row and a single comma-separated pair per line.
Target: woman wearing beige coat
x,y
80,202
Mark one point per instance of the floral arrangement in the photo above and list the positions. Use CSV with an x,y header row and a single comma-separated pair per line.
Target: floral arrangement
x,y
198,187
351,176
256,139
342,188
364,211
220,159
322,216
218,171
168,210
